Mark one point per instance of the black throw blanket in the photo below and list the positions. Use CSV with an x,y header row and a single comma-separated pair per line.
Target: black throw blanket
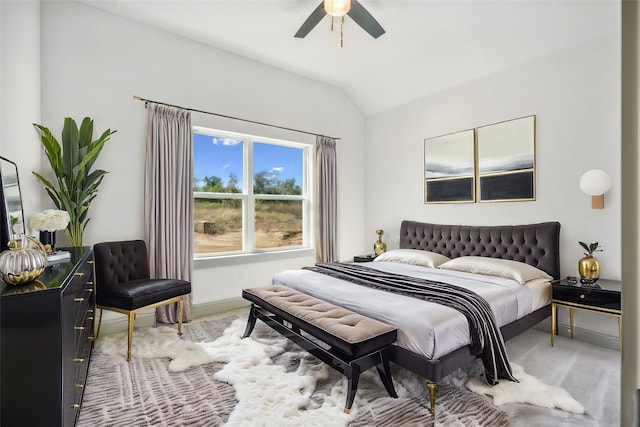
x,y
486,338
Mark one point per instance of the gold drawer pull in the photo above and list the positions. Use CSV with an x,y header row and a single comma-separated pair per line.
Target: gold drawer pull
x,y
79,328
89,283
90,310
90,338
76,406
79,385
582,296
78,360
80,273
90,261
79,299
90,318
89,290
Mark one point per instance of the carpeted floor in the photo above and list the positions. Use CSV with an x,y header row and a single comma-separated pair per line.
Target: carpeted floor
x,y
145,393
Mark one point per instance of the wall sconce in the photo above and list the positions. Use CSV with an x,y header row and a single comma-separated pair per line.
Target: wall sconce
x,y
595,183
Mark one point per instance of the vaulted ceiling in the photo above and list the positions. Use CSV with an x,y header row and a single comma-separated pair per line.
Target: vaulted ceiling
x,y
428,45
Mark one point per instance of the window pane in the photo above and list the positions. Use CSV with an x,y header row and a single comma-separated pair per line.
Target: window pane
x,y
277,169
217,164
278,223
217,225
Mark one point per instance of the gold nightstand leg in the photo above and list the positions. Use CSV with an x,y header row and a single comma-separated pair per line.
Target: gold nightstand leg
x,y
571,322
553,323
620,331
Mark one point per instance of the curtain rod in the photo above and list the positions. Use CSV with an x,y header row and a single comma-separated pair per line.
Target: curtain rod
x,y
231,117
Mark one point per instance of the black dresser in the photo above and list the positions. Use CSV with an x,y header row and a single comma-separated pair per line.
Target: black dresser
x,y
46,337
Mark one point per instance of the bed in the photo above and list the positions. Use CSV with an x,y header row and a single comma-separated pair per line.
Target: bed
x,y
432,341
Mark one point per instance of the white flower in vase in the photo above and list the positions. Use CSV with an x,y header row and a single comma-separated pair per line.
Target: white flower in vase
x,y
47,223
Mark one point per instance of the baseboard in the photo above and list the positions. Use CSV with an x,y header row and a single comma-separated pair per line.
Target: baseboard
x,y
217,307
148,318
584,335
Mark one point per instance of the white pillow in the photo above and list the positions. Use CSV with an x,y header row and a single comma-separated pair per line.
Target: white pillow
x,y
509,269
413,257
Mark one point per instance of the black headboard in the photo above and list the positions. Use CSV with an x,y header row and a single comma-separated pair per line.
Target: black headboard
x,y
534,244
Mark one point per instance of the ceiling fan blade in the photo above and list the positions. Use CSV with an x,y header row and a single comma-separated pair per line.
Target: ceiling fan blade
x,y
363,18
313,19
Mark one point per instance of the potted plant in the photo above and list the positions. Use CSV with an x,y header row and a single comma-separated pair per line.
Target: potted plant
x,y
588,266
71,161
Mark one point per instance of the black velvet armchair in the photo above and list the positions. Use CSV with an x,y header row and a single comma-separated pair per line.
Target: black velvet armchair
x,y
123,283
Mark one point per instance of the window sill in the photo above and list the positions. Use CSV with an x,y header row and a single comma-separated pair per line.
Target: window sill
x,y
240,259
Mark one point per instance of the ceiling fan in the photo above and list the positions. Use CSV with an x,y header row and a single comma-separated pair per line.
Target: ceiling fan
x,y
338,9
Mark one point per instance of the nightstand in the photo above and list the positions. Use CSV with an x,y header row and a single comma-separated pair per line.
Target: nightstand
x,y
602,297
364,258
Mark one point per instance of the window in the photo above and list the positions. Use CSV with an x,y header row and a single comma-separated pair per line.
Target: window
x,y
251,194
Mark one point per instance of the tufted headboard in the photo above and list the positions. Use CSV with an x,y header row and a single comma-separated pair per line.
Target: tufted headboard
x,y
534,244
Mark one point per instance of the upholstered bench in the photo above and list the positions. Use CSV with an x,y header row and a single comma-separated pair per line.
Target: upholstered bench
x,y
352,342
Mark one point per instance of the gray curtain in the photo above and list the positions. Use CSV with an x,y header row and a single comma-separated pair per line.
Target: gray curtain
x,y
326,195
168,200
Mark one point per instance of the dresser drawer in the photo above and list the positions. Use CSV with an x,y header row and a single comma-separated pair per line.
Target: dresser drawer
x,y
586,296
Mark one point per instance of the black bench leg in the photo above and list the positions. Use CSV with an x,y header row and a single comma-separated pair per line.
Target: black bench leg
x,y
384,370
354,377
251,322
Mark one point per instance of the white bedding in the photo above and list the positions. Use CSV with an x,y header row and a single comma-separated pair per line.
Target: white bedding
x,y
429,329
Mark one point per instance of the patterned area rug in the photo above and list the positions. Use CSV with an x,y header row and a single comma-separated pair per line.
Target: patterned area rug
x,y
145,392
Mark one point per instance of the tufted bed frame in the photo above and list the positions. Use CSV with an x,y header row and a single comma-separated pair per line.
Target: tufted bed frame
x,y
534,244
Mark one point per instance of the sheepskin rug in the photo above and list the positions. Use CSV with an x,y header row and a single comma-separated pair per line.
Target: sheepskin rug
x,y
529,390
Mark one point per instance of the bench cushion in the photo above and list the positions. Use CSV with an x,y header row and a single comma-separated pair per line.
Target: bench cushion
x,y
351,333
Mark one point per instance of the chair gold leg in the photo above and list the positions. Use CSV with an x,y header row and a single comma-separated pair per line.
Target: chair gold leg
x,y
180,311
432,397
99,324
132,318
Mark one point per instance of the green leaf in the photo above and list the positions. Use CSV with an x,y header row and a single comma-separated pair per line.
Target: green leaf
x,y
69,146
86,132
591,247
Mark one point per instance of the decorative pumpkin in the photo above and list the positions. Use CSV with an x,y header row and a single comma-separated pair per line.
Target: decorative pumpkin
x,y
22,264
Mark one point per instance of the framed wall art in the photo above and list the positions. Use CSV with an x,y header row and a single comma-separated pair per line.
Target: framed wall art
x,y
449,168
506,160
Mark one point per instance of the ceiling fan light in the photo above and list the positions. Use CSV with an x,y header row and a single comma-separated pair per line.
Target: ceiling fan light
x,y
337,8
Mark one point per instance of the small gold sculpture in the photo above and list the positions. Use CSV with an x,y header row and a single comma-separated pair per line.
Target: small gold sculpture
x,y
379,246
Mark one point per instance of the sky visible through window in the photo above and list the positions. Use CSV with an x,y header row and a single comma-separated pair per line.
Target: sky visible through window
x,y
216,156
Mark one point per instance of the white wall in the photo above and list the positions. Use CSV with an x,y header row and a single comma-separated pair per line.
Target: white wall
x,y
93,63
20,93
575,96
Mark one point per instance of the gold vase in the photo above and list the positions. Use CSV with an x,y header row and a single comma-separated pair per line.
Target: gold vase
x,y
379,246
589,269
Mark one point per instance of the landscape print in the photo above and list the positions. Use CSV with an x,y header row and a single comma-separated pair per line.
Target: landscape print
x,y
506,160
449,168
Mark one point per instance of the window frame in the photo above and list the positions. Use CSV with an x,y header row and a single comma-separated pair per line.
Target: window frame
x,y
249,198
